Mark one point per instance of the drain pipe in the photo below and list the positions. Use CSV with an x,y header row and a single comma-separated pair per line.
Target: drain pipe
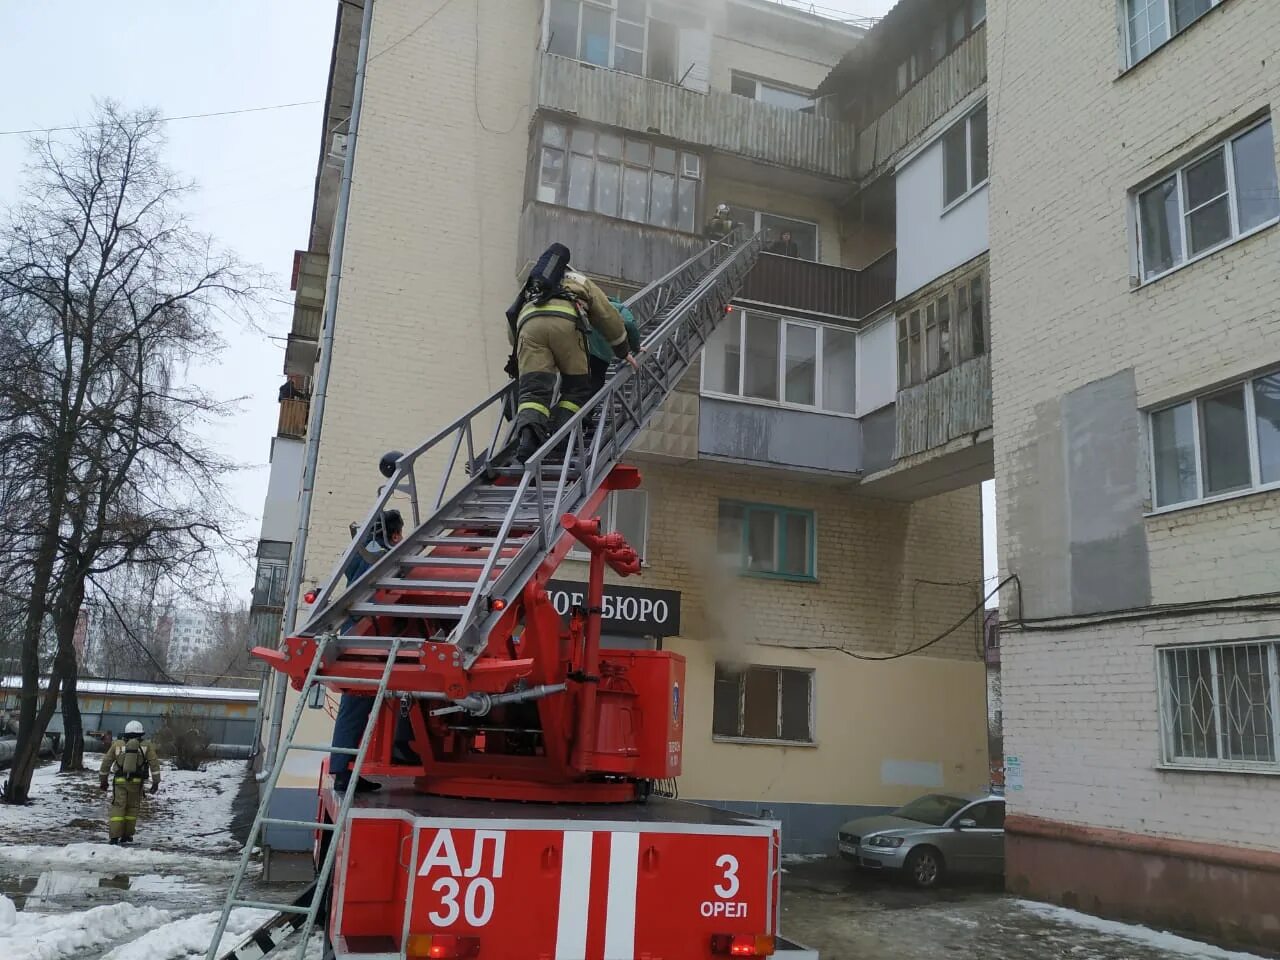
x,y
337,243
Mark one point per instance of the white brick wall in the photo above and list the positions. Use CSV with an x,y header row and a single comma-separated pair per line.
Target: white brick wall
x,y
1070,138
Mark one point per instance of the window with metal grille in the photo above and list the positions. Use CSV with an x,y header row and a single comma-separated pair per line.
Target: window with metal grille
x,y
1218,705
763,703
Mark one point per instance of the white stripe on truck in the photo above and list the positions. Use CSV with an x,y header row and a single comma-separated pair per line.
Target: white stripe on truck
x,y
575,896
620,924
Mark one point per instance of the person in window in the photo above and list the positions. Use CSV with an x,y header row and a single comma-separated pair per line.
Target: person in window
x,y
354,708
721,225
784,246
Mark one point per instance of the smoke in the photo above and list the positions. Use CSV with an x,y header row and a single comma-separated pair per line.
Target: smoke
x,y
728,626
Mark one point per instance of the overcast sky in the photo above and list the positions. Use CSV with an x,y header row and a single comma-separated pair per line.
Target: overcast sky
x,y
255,170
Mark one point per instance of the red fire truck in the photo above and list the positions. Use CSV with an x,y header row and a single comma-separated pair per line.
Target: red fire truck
x,y
537,820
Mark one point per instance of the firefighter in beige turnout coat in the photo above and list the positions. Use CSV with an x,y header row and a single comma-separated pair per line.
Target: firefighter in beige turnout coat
x,y
127,763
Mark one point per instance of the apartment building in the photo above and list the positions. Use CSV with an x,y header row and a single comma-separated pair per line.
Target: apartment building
x,y
490,130
1136,345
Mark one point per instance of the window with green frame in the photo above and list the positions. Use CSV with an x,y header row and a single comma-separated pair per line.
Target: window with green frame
x,y
768,541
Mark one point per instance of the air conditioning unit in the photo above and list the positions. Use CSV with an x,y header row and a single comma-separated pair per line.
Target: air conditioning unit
x,y
338,148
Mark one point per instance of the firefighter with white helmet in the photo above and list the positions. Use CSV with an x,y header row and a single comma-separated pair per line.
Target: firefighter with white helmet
x,y
128,763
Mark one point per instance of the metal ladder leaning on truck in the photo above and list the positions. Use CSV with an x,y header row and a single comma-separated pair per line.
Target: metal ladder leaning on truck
x,y
530,827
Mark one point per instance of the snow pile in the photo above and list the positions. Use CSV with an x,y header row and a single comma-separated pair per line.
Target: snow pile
x,y
189,937
1170,943
35,936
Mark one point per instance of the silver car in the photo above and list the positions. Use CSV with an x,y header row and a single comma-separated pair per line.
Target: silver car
x,y
934,835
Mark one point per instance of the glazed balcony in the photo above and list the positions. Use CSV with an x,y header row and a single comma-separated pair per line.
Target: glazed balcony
x,y
716,121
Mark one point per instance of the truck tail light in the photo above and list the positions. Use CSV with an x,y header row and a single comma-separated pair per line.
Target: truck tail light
x,y
743,945
440,946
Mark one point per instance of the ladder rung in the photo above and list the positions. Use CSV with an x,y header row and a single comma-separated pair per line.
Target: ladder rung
x,y
359,681
460,541
321,748
276,907
457,523
399,583
403,610
306,824
422,561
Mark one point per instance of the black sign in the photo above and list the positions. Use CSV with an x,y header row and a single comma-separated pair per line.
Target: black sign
x,y
626,610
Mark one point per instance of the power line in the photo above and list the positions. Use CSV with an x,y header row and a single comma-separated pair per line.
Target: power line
x,y
188,116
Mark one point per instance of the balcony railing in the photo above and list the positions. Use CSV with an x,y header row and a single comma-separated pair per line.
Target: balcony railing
x,y
293,418
951,405
716,120
960,73
631,253
821,288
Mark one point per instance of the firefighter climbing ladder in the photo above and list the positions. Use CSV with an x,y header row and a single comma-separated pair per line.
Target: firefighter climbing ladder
x,y
492,522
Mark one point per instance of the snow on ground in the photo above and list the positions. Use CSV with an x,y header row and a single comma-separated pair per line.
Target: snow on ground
x,y
100,857
1169,943
191,812
37,936
189,937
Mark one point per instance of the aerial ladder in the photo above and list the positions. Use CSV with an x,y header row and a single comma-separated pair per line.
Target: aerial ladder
x,y
452,629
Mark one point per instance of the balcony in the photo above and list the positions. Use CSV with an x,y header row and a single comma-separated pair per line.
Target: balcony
x,y
820,288
952,405
960,73
293,419
630,253
716,120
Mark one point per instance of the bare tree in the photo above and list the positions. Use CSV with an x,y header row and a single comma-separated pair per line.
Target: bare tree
x,y
106,294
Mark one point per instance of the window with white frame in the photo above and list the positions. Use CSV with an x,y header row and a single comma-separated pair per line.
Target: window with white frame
x,y
803,242
627,177
1149,24
768,91
767,540
1223,194
763,703
1218,444
617,34
1218,705
625,512
964,156
797,363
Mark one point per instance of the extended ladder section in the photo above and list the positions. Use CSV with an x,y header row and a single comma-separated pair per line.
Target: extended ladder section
x,y
490,525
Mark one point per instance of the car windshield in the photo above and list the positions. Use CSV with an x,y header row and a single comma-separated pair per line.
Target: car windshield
x,y
935,809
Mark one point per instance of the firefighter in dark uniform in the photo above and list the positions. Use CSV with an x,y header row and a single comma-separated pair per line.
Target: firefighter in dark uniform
x,y
548,325
721,225
128,762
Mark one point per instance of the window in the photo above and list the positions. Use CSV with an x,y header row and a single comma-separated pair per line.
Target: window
x,y
760,356
1149,24
949,328
1218,704
987,816
616,34
804,233
767,91
625,512
1224,442
964,156
632,179
766,540
1218,197
269,584
763,703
